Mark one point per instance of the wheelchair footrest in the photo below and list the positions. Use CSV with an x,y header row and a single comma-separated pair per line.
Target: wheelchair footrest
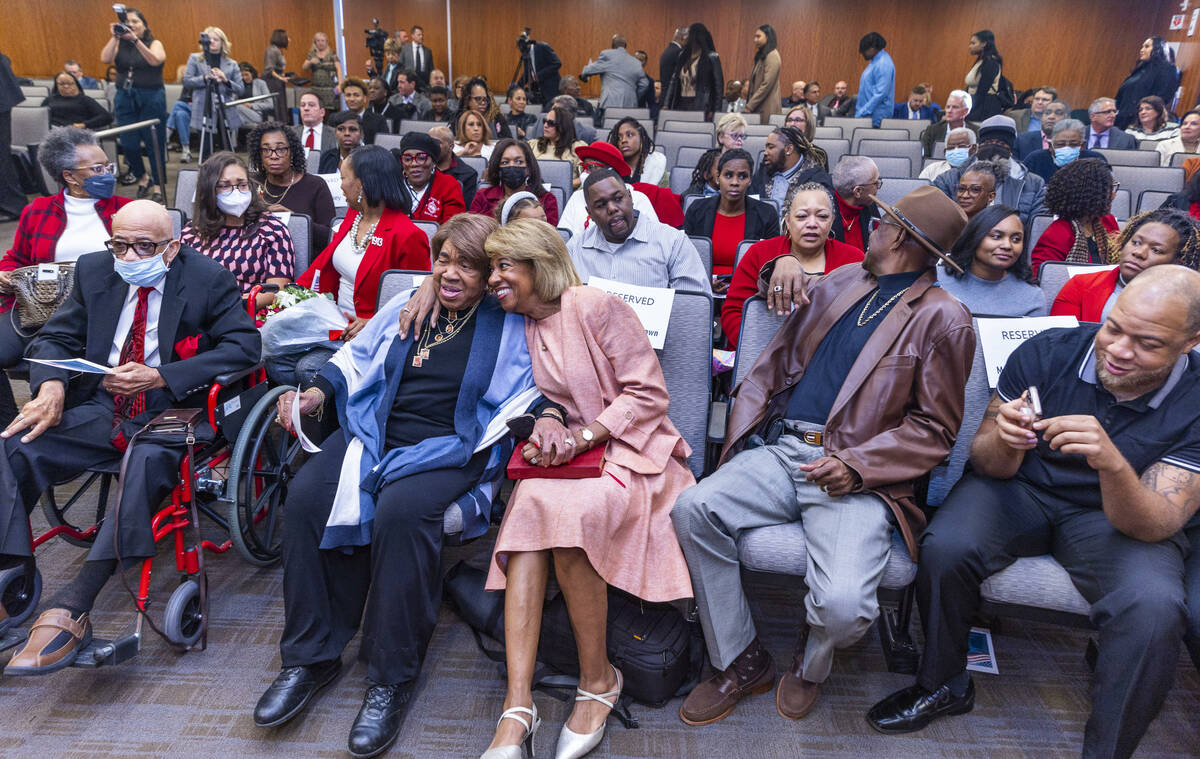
x,y
13,638
102,652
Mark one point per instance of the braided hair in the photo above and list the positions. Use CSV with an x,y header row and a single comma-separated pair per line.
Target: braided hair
x,y
704,167
1188,229
614,139
1081,192
807,150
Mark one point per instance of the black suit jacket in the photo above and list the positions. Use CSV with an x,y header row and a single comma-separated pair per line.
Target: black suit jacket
x,y
548,64
1027,142
202,317
408,61
330,158
762,221
668,61
10,90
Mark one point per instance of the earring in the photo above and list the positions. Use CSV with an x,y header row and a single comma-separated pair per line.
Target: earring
x,y
359,201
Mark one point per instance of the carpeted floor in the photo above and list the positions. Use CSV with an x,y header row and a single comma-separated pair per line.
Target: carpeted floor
x,y
162,704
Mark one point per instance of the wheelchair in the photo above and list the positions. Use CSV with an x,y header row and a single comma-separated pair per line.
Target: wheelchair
x,y
238,481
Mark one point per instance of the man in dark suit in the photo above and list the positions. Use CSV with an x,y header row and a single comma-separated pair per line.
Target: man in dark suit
x,y
348,126
407,101
314,133
841,102
541,68
812,101
916,108
415,56
1028,142
12,200
169,320
670,57
448,163
1102,133
355,92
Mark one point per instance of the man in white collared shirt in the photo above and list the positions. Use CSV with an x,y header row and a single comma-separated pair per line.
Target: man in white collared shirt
x,y
315,135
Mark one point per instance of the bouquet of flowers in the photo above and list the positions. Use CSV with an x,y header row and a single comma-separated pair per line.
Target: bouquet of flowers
x,y
289,296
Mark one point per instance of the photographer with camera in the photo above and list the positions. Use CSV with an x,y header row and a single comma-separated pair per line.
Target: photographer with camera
x,y
215,79
139,96
541,65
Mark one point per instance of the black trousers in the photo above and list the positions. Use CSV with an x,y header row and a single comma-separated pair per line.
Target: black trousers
x,y
12,350
79,443
397,578
12,200
1135,589
1192,579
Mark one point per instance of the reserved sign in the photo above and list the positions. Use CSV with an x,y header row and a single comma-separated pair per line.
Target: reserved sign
x,y
334,182
1000,337
652,305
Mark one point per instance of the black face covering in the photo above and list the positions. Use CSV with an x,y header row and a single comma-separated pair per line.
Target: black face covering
x,y
513,177
994,152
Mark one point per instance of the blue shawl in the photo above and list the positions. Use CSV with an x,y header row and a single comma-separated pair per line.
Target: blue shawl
x,y
365,375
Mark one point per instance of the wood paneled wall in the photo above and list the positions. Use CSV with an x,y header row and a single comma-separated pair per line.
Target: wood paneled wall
x,y
1084,47
38,35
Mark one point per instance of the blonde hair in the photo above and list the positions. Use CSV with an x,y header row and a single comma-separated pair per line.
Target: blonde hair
x,y
541,246
225,47
728,122
461,136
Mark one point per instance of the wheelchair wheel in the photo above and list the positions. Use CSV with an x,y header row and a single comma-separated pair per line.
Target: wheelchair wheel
x,y
182,616
70,513
19,594
259,472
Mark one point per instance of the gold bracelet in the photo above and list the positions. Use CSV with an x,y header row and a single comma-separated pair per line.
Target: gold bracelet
x,y
319,412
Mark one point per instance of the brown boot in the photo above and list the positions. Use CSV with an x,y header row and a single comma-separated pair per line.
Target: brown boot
x,y
796,696
751,673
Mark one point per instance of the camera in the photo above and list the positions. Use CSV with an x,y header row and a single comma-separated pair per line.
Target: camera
x,y
524,40
375,39
120,28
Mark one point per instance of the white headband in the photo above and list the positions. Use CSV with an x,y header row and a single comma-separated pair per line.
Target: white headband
x,y
512,201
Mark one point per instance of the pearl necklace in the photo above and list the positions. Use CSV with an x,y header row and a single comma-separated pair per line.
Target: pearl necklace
x,y
360,249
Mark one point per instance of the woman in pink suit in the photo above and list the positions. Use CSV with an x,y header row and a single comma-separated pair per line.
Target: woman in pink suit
x,y
591,356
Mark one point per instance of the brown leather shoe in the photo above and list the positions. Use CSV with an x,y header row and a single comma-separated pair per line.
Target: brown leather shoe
x,y
751,673
54,640
796,696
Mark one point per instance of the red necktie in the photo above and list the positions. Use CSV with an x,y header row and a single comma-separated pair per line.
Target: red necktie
x,y
134,351
308,141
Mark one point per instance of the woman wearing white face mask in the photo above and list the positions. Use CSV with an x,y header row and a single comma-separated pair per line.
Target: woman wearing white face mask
x,y
233,226
960,146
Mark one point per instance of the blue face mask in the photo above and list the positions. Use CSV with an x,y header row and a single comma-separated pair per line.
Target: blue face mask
x,y
144,272
957,156
100,186
1063,156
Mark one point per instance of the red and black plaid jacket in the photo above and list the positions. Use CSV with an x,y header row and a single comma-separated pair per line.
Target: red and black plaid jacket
x,y
42,223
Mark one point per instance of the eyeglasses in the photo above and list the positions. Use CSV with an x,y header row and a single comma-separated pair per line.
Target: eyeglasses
x,y
974,190
276,152
223,187
593,165
143,248
485,98
99,168
410,158
874,224
878,183
1107,111
736,137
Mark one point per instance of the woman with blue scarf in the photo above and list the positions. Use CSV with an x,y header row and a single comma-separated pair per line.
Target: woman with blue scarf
x,y
422,428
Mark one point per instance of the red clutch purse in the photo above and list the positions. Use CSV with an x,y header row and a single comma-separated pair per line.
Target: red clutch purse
x,y
583,466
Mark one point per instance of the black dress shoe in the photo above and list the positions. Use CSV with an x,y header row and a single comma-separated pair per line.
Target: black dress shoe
x,y
127,179
913,708
378,721
292,690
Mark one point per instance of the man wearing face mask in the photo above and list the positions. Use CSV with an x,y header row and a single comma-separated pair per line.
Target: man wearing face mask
x,y
169,320
1039,139
1021,189
56,229
1066,146
961,144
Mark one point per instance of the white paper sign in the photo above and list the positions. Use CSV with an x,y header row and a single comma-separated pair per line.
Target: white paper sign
x,y
652,305
284,216
334,182
1000,337
1076,270
305,443
74,365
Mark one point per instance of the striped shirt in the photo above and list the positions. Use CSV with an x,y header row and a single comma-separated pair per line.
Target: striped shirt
x,y
654,255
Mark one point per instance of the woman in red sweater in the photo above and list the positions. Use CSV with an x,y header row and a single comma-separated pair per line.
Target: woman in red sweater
x,y
806,228
731,216
375,236
1080,194
1163,236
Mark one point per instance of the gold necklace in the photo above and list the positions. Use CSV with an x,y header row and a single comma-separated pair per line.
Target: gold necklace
x,y
262,190
429,340
861,321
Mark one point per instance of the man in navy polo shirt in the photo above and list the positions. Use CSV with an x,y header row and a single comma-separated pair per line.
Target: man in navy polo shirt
x,y
1105,480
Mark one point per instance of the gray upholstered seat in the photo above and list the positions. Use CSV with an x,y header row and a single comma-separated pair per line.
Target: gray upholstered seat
x,y
1037,581
780,549
686,360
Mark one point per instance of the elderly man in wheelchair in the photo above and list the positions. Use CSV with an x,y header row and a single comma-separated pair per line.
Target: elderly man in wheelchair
x,y
169,321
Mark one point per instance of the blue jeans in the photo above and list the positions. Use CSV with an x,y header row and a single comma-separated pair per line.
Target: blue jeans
x,y
136,104
181,120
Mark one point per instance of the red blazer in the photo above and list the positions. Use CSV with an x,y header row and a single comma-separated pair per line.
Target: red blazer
x,y
1056,241
395,244
1084,295
744,284
42,223
666,204
443,198
487,198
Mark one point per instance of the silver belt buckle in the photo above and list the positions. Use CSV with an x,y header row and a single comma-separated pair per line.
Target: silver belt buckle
x,y
811,437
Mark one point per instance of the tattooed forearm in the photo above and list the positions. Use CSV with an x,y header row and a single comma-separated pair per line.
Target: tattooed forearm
x,y
1178,486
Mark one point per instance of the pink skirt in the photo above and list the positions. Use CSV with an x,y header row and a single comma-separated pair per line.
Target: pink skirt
x,y
622,521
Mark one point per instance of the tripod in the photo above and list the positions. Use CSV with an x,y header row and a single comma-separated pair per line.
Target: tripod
x,y
525,78
215,132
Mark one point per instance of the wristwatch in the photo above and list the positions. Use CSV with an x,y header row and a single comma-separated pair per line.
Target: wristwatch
x,y
587,435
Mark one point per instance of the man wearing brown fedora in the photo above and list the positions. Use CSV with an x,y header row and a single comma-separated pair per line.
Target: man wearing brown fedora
x,y
859,394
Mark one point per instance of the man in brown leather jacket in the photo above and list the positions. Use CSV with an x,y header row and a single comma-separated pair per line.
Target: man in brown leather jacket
x,y
859,394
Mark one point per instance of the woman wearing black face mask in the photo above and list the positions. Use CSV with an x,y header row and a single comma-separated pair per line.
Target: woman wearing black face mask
x,y
511,169
57,228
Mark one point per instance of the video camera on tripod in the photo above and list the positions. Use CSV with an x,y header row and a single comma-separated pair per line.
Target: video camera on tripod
x,y
375,39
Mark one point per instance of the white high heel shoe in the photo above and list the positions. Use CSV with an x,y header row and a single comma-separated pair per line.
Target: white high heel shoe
x,y
572,745
525,747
